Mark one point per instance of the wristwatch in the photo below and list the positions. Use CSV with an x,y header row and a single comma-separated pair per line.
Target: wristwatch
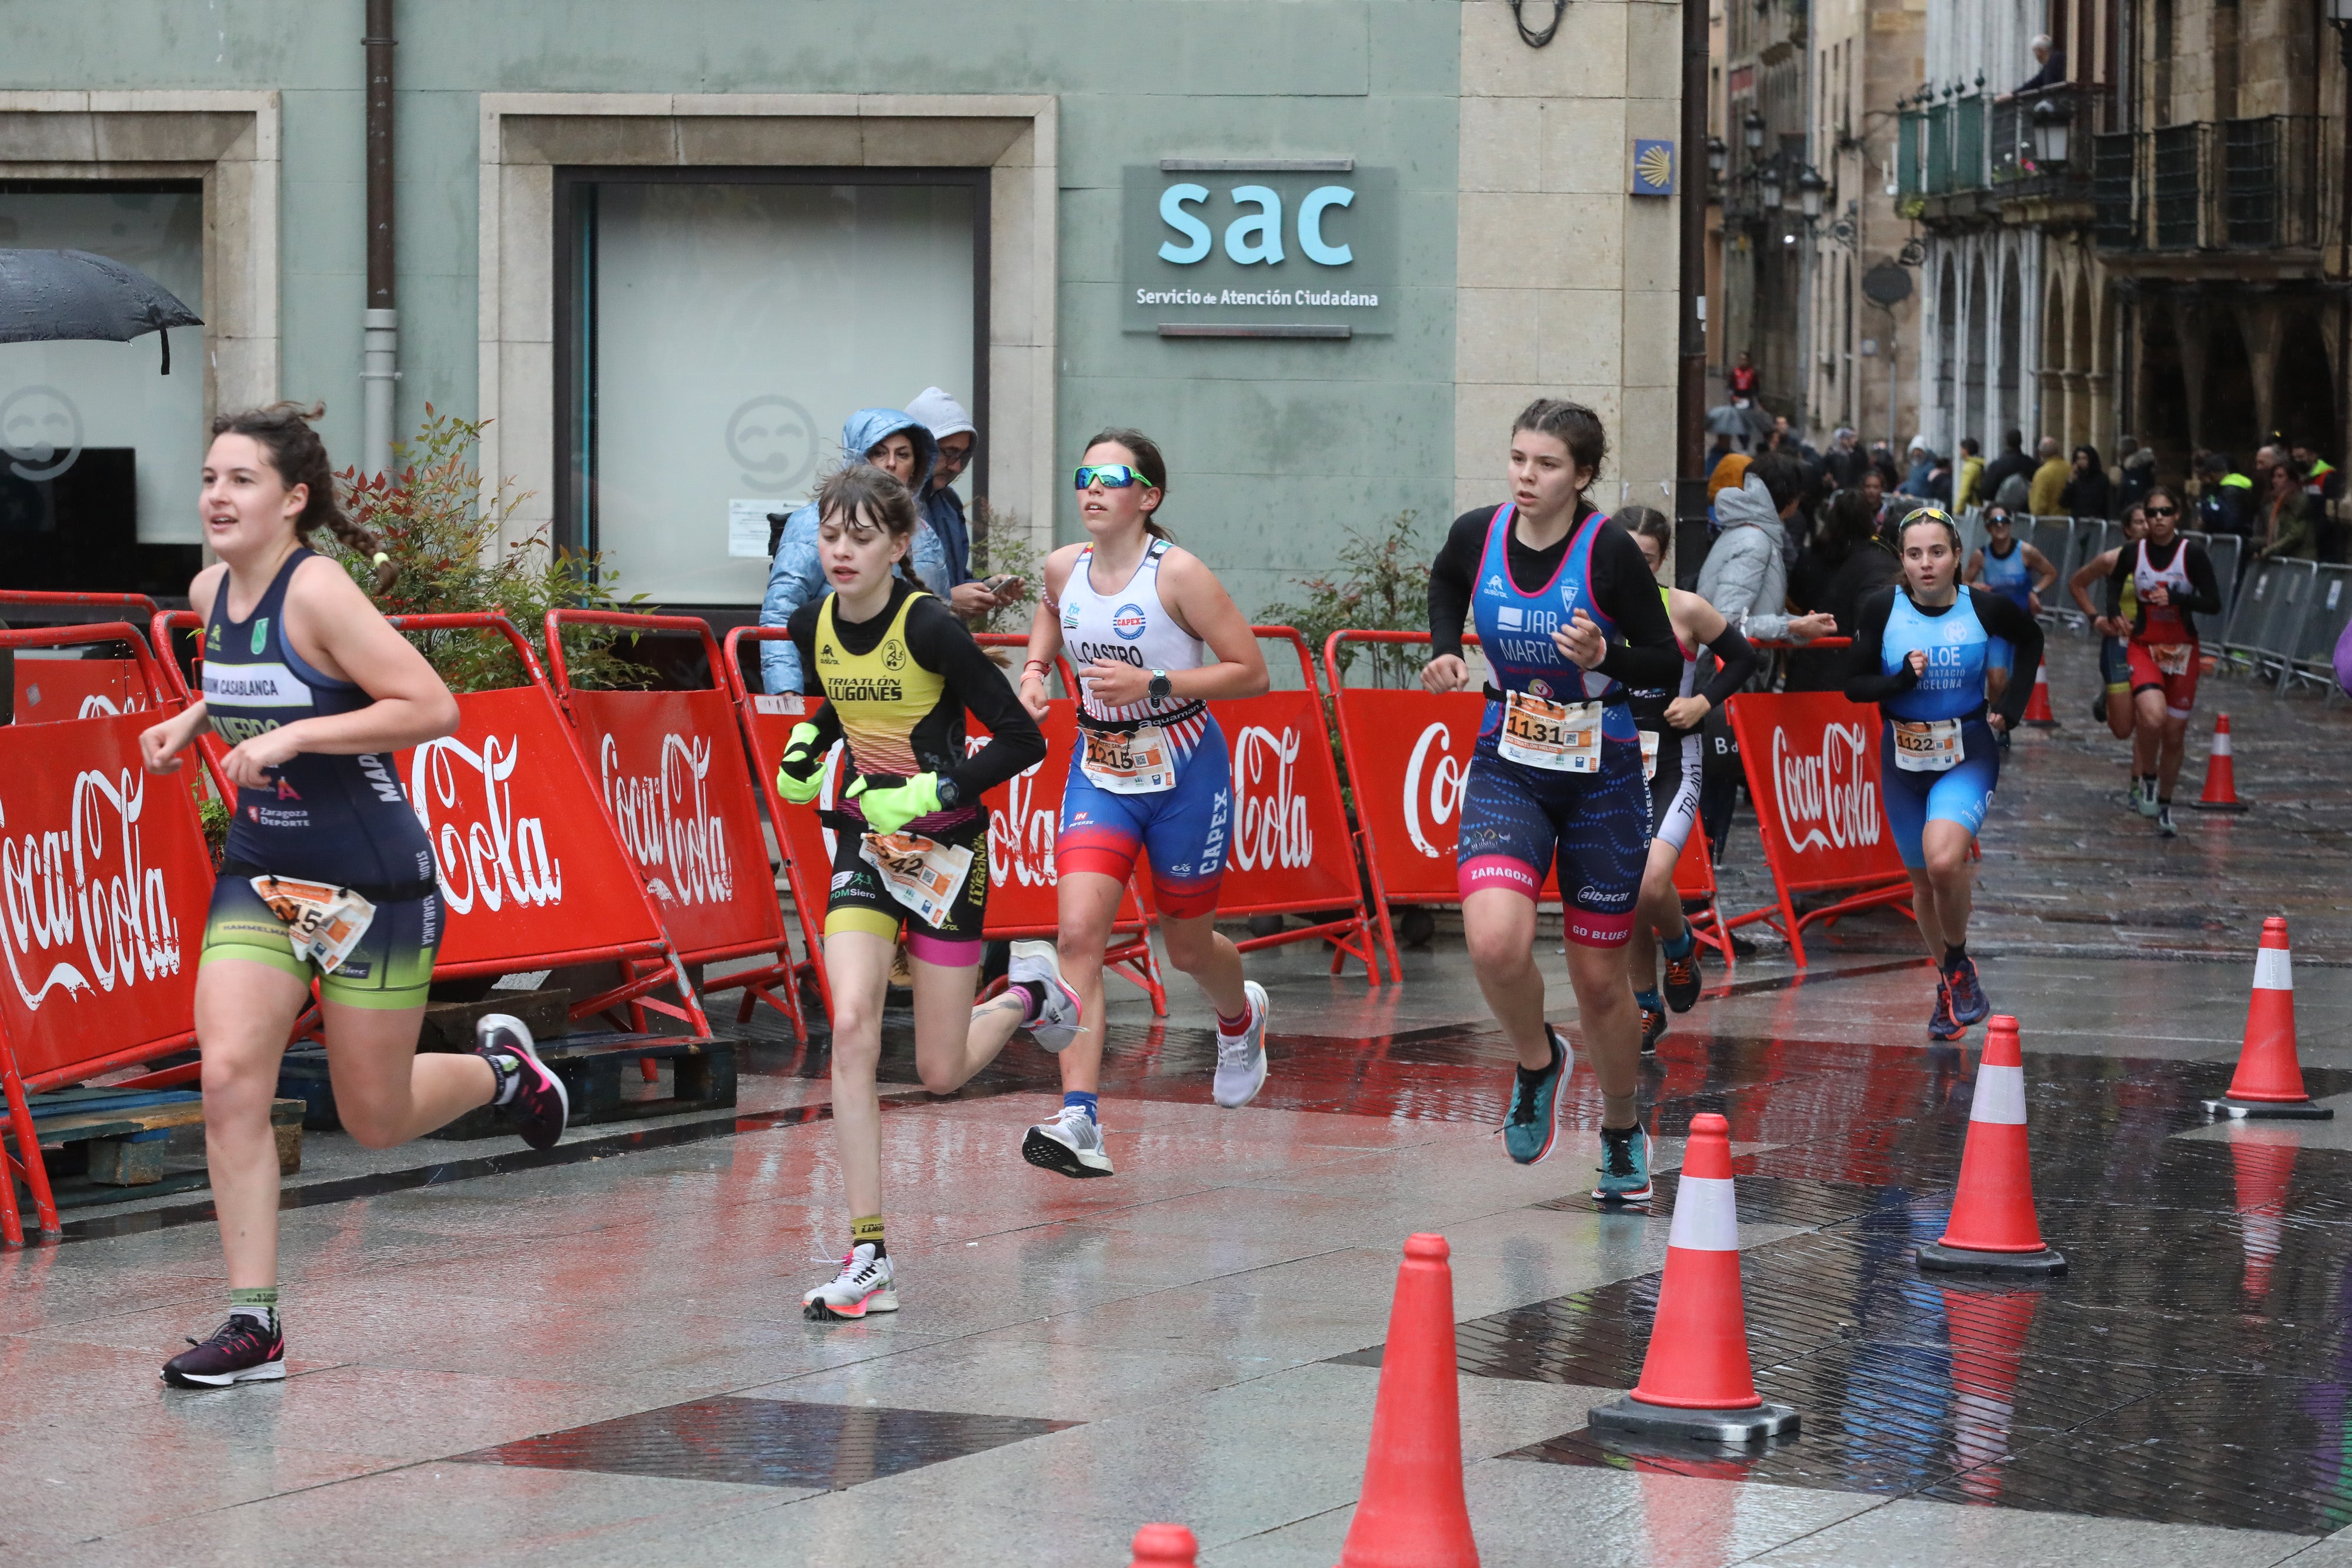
x,y
1160,686
949,796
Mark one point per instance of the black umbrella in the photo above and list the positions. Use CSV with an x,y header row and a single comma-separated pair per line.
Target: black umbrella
x,y
50,296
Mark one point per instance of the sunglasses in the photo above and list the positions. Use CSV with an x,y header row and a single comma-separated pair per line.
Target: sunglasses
x,y
2160,511
1109,475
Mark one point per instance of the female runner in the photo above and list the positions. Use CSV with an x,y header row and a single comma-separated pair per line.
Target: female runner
x,y
314,691
1154,638
2019,573
1920,653
2113,706
1569,617
2170,579
1669,719
898,672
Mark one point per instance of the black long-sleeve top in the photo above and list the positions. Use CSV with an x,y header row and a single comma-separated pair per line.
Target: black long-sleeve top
x,y
1999,616
2204,595
1736,660
1622,589
885,736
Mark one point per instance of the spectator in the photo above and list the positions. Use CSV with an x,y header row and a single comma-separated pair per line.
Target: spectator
x,y
2223,498
1846,459
1848,559
1743,380
942,509
889,440
1922,467
1729,473
2013,493
2044,498
2012,460
1786,439
1972,467
2288,533
1873,491
2139,475
1881,457
2321,480
2266,457
1747,572
2049,63
2085,492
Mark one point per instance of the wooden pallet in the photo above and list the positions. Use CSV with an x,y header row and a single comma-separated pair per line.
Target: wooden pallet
x,y
116,1138
592,1067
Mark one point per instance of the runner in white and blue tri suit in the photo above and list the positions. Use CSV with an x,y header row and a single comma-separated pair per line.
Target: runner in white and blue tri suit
x,y
1567,617
2019,573
1920,652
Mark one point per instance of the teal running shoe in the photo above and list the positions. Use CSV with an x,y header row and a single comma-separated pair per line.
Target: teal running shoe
x,y
1533,1125
1624,1166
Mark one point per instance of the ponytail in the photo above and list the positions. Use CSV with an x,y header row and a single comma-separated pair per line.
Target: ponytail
x,y
283,431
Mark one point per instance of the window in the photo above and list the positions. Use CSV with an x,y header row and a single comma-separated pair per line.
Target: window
x,y
720,327
99,451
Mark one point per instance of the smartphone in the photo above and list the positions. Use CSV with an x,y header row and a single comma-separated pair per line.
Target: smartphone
x,y
1004,584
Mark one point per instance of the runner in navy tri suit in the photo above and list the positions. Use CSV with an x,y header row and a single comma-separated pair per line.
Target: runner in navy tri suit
x,y
1567,617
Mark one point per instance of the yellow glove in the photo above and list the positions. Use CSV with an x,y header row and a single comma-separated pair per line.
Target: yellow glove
x,y
890,807
801,772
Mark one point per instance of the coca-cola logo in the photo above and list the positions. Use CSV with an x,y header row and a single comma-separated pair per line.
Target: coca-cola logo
x,y
1826,799
1272,829
483,851
1020,832
667,820
1432,756
85,895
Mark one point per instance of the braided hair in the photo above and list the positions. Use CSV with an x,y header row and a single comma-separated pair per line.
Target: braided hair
x,y
283,432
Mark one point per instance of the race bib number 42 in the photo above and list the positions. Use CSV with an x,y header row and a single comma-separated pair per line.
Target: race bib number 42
x,y
1135,764
922,873
1560,738
322,923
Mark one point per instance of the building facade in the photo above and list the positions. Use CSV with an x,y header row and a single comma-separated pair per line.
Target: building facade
x,y
1767,115
1321,251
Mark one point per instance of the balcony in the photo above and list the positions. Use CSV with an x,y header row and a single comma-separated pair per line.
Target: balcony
x,y
1971,157
2243,192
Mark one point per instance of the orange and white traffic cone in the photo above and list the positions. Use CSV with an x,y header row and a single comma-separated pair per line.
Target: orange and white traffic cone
x,y
2269,1080
2037,706
2262,1159
1164,1546
2221,773
1993,1230
1412,1513
1987,1326
1697,1381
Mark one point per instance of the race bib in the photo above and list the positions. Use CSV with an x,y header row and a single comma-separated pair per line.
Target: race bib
x,y
1140,763
1650,754
2171,658
920,873
1926,745
1560,738
322,923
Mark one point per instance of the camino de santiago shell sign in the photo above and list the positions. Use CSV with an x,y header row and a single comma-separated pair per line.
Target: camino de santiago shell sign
x,y
1302,248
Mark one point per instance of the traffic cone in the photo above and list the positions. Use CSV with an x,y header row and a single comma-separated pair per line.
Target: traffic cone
x,y
1412,1513
1987,1329
1696,1377
2037,706
2262,1159
2221,773
2269,1082
1164,1546
1992,1229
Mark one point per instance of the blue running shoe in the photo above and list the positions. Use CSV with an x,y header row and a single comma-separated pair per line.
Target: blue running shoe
x,y
1968,1002
1533,1125
1941,1024
1624,1166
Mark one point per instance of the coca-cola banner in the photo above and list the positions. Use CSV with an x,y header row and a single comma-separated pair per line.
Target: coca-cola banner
x,y
1288,847
1409,755
49,689
104,881
671,767
1811,761
527,859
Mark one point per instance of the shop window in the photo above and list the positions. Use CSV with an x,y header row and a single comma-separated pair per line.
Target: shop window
x,y
100,452
717,330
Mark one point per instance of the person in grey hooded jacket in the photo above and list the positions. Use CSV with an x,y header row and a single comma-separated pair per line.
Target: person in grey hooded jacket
x,y
1747,572
796,576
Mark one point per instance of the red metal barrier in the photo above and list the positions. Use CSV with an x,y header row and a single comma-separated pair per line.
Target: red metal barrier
x,y
104,883
531,868
48,690
1289,818
1024,815
1812,761
677,783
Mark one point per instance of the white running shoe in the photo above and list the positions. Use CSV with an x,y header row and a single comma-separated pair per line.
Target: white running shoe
x,y
1057,1021
864,1285
1071,1145
2148,806
1241,1060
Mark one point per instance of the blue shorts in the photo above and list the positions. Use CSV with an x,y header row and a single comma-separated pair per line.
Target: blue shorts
x,y
1959,794
1999,654
1185,831
1517,822
2115,665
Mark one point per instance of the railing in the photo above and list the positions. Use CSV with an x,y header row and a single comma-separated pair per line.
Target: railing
x,y
2215,185
2009,151
2115,190
2177,180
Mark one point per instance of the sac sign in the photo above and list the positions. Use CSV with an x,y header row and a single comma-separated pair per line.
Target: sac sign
x,y
1219,248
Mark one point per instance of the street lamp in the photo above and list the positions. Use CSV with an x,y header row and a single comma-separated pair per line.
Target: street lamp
x,y
1768,185
1752,131
1717,155
2051,122
1810,186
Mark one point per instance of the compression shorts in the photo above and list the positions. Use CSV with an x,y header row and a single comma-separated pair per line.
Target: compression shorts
x,y
1960,793
1184,830
2146,674
1517,822
857,900
391,968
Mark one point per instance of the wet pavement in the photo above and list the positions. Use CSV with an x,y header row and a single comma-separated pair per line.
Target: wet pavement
x,y
594,1356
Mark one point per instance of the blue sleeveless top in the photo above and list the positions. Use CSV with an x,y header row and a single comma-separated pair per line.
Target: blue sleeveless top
x,y
340,820
1953,685
2007,576
1515,628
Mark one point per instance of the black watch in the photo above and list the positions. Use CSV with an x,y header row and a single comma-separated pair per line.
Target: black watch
x,y
949,796
1161,687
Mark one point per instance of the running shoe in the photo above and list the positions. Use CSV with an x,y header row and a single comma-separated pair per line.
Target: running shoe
x,y
2133,803
1968,1003
2146,802
2099,708
1682,980
1941,1024
1057,1021
1653,1029
1071,1145
864,1285
2164,822
242,1350
1624,1166
1241,1060
1532,1126
539,1107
